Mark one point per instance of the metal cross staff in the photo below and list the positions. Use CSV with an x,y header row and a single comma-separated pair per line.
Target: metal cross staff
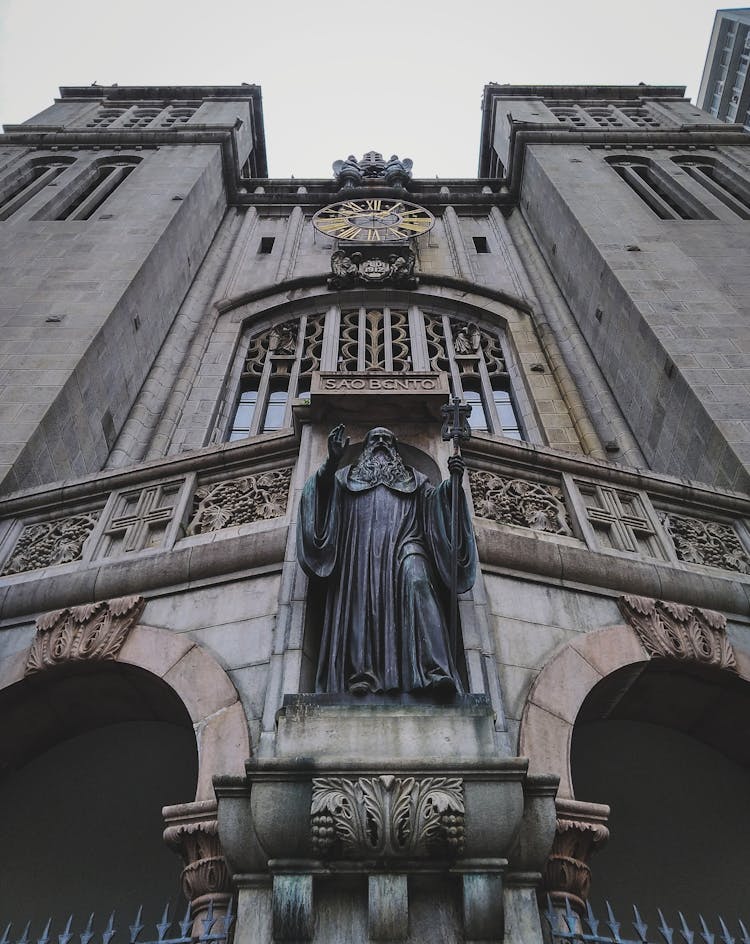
x,y
455,427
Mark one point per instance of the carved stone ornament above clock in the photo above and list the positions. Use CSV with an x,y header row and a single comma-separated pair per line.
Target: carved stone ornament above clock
x,y
373,220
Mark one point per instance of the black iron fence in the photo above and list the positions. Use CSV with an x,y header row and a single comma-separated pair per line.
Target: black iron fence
x,y
206,929
566,925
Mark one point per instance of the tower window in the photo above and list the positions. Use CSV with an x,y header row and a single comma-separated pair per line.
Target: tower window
x,y
480,243
719,181
87,194
266,245
21,186
658,190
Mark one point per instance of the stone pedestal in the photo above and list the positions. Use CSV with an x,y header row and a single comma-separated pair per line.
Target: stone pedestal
x,y
386,798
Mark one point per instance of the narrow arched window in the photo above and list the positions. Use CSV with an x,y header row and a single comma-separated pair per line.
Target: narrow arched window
x,y
719,181
87,194
19,186
659,191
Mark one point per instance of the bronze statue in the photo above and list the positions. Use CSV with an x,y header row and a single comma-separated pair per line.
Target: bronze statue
x,y
378,534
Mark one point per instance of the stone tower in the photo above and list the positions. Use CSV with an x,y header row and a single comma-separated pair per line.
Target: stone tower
x,y
180,333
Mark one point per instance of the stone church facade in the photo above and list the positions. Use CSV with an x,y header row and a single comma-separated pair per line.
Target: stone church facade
x,y
179,333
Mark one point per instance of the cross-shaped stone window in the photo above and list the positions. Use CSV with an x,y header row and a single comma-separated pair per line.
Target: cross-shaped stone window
x,y
140,518
620,519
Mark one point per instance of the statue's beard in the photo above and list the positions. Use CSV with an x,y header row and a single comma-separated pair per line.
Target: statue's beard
x,y
380,466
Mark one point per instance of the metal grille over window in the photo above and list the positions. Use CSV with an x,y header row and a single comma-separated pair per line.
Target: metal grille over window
x,y
374,340
278,368
474,360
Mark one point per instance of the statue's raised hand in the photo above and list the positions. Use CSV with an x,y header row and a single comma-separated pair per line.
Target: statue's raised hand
x,y
337,444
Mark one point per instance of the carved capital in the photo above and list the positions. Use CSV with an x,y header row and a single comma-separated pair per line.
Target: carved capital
x,y
94,632
387,816
581,830
193,832
677,631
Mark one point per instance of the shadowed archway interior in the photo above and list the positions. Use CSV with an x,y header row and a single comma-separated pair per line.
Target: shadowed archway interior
x,y
89,757
668,748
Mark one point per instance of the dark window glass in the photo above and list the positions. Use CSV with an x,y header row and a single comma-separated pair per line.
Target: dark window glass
x,y
244,415
274,418
478,418
506,414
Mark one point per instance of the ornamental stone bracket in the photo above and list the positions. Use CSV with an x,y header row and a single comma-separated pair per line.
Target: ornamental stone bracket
x,y
581,830
678,631
193,832
94,632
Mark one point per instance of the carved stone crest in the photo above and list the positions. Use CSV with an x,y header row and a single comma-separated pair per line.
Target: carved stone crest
x,y
94,632
372,266
676,631
387,816
373,168
520,502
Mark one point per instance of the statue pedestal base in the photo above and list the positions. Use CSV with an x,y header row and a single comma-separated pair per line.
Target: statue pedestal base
x,y
397,818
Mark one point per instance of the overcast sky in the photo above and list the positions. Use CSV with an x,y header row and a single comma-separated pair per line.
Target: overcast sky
x,y
350,76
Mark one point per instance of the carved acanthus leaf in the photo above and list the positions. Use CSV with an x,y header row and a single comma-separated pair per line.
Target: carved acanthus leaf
x,y
387,816
711,543
520,502
239,501
677,631
196,839
51,542
93,632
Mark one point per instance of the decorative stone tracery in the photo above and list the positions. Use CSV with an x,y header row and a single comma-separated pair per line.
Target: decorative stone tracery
x,y
387,816
240,501
94,632
677,631
520,502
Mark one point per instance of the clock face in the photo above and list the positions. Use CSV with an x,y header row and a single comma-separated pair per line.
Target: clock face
x,y
373,220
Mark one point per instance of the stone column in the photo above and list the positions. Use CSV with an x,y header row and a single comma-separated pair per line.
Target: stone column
x,y
192,831
581,830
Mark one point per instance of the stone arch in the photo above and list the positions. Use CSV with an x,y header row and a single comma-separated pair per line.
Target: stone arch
x,y
562,686
200,683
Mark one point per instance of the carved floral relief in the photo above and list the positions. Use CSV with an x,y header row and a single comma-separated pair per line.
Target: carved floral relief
x,y
51,542
387,816
520,502
677,631
92,632
712,543
239,501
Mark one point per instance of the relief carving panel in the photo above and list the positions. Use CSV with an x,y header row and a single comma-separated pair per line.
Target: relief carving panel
x,y
239,501
51,542
706,542
520,502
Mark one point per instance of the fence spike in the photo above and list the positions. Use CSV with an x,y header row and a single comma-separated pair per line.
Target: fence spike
x,y
591,919
687,935
67,933
186,922
5,938
664,929
24,938
640,926
726,937
208,921
571,918
228,919
743,929
109,932
707,936
87,932
163,926
613,924
44,939
137,927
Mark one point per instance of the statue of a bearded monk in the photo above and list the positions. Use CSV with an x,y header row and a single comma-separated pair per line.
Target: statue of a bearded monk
x,y
379,535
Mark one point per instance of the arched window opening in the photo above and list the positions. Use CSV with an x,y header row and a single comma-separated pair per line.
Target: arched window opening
x,y
658,190
91,191
665,746
22,185
278,368
720,182
90,755
280,362
141,117
106,117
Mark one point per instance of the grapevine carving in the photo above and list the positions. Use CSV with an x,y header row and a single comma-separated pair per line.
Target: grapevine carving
x,y
520,502
239,501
